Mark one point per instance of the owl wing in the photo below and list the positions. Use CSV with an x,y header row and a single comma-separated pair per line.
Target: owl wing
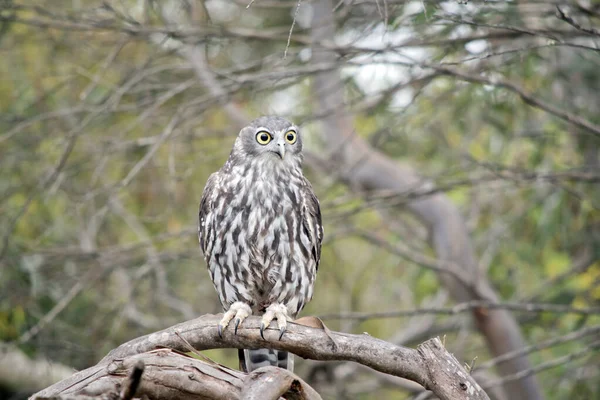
x,y
206,215
311,220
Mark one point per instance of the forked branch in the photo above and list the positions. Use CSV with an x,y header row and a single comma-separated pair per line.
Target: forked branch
x,y
166,370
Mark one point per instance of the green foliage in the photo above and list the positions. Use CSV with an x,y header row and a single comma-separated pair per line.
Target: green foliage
x,y
12,321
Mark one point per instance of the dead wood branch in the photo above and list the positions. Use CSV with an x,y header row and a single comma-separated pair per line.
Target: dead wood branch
x,y
170,374
272,382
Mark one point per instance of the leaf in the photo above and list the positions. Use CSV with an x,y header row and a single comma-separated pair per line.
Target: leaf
x,y
556,263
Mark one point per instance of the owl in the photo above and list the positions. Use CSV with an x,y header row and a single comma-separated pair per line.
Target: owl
x,y
260,232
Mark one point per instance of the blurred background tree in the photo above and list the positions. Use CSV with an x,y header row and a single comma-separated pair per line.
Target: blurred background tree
x,y
114,113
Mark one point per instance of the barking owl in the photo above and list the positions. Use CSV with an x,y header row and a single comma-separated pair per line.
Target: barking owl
x,y
260,232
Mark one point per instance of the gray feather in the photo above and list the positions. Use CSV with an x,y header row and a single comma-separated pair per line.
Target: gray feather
x,y
251,360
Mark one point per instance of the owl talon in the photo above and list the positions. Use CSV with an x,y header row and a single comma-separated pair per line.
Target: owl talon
x,y
275,311
262,330
282,331
238,310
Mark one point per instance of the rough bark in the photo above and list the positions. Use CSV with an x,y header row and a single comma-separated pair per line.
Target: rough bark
x,y
368,170
271,383
172,375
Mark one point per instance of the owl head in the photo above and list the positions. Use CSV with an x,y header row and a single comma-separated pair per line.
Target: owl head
x,y
271,139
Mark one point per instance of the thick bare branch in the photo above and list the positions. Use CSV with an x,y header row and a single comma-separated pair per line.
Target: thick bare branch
x,y
271,383
167,374
430,364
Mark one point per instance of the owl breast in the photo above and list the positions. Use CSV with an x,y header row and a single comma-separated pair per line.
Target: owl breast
x,y
261,251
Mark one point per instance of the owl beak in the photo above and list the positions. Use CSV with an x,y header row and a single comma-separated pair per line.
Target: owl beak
x,y
281,149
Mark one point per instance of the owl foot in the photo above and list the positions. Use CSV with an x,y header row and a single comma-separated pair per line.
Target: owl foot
x,y
238,310
274,311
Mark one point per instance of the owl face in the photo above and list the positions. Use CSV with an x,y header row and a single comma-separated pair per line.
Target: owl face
x,y
272,139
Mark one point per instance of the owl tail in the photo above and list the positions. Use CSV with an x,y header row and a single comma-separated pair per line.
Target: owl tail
x,y
254,359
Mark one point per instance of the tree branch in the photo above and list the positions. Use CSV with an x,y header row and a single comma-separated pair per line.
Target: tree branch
x,y
569,20
430,364
480,306
528,98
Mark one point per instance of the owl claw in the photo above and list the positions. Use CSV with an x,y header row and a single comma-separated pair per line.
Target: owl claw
x,y
262,330
282,331
238,310
275,311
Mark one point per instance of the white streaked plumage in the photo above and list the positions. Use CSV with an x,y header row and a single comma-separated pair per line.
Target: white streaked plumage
x,y
260,229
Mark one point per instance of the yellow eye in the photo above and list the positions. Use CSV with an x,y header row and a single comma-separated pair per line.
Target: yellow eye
x,y
263,137
291,137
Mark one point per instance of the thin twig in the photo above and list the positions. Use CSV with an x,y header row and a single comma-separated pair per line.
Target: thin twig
x,y
289,39
465,307
569,20
592,330
586,351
